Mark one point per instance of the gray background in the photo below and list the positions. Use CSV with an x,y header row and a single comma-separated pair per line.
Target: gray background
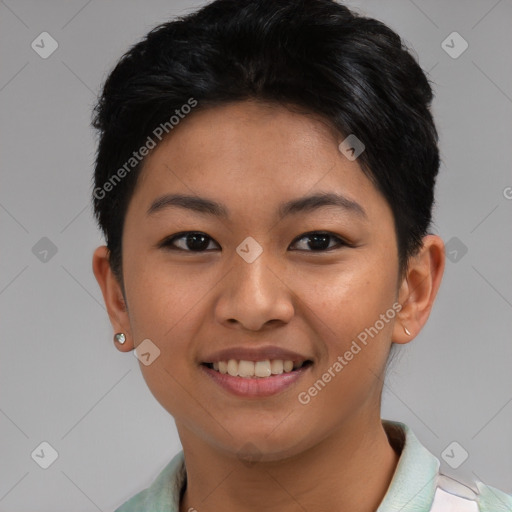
x,y
61,379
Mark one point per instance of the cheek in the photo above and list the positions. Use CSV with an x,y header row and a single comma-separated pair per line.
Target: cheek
x,y
347,313
160,297
347,296
162,306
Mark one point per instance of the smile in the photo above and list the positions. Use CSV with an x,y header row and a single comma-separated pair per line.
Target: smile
x,y
256,379
256,369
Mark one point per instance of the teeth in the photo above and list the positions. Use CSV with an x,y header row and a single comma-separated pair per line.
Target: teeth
x,y
246,369
233,367
288,366
260,369
277,366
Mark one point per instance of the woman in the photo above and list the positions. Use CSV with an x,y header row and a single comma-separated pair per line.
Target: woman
x,y
265,180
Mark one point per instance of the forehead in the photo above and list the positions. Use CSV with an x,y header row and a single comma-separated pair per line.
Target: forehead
x,y
250,153
250,129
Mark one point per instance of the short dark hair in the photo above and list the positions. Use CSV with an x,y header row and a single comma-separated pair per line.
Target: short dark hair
x,y
318,55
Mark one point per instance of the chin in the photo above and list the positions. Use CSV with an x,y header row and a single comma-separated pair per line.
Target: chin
x,y
252,446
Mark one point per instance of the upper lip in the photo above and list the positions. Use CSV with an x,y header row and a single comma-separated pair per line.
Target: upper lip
x,y
255,354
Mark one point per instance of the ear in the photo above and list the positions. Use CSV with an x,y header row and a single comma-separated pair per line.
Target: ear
x,y
113,296
419,288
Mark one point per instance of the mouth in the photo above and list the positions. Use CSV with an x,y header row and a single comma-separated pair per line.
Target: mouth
x,y
255,379
264,369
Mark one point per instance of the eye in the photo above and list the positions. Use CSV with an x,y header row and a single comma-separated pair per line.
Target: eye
x,y
196,241
188,241
319,241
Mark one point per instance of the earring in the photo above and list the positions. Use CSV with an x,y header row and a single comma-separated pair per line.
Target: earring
x,y
120,337
407,331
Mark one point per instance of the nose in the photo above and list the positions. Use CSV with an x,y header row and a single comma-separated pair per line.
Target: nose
x,y
254,295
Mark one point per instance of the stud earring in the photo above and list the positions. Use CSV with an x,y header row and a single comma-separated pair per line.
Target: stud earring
x,y
120,337
407,331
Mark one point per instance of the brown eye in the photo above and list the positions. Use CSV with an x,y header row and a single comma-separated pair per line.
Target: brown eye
x,y
319,241
189,241
196,241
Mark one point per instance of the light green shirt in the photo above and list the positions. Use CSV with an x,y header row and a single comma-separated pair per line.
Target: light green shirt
x,y
417,485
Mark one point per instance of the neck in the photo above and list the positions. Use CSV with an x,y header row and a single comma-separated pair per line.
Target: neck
x,y
350,470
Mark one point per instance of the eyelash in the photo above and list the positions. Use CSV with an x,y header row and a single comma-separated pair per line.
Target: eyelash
x,y
168,242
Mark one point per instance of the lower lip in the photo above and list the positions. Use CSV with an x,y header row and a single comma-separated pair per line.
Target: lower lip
x,y
257,386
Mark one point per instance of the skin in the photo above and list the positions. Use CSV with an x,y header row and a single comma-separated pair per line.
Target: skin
x,y
333,453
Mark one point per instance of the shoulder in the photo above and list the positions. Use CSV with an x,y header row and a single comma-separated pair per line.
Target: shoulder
x,y
163,493
492,499
135,503
418,468
454,495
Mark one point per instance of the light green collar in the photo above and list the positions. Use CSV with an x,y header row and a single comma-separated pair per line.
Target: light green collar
x,y
412,487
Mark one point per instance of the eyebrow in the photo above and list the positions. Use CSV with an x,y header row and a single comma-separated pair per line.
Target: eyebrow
x,y
301,205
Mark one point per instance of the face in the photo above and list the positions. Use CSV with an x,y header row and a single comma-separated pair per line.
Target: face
x,y
260,282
